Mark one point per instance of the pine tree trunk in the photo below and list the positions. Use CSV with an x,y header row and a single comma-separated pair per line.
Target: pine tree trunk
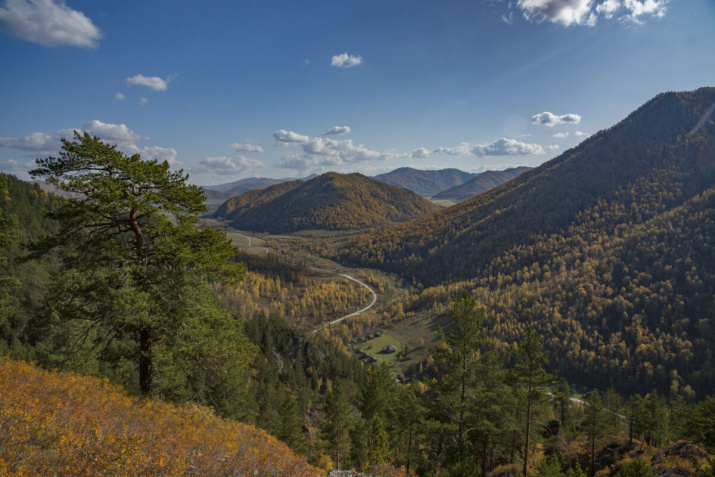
x,y
145,361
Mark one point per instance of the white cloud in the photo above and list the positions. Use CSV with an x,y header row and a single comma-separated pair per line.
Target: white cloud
x,y
336,130
49,23
143,101
224,165
637,9
246,147
420,153
566,12
507,147
579,134
119,134
608,8
344,60
324,152
289,138
39,142
587,12
151,82
553,147
119,96
551,120
463,149
161,154
561,135
17,168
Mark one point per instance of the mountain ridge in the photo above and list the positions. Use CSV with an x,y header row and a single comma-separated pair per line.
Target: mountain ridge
x,y
331,201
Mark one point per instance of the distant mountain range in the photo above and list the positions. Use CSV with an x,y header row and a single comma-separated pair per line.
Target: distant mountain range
x,y
330,201
425,183
480,183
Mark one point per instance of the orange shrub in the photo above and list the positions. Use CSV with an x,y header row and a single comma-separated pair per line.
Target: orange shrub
x,y
61,424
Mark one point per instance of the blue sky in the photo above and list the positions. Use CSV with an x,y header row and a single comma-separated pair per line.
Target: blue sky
x,y
234,89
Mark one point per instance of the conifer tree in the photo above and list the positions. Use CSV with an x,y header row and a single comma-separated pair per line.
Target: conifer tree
x,y
337,424
528,379
131,255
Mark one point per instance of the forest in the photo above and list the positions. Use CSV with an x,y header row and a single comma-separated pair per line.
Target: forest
x,y
581,346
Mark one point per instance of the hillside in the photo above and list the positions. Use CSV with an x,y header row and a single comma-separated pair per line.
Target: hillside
x,y
56,423
605,250
425,183
331,201
254,198
480,183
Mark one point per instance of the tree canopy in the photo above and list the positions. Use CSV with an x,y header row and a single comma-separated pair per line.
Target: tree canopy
x,y
133,267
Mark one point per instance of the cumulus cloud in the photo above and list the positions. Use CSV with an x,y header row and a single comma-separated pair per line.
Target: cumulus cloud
x,y
463,149
119,134
561,135
344,60
420,153
230,166
336,130
507,147
566,12
143,101
38,142
608,8
551,120
587,12
246,147
49,23
17,168
579,134
161,154
289,138
553,147
119,96
324,151
151,82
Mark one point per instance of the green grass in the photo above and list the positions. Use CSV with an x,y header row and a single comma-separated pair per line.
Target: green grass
x,y
374,346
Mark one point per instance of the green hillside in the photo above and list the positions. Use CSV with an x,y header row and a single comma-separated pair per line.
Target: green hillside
x,y
606,251
331,201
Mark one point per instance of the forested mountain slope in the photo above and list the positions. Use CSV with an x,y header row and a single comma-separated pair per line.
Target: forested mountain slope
x,y
653,161
425,183
607,251
480,184
331,201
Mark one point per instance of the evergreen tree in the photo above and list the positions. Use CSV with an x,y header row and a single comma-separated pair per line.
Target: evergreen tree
x,y
460,357
337,424
9,233
528,379
290,429
594,422
131,257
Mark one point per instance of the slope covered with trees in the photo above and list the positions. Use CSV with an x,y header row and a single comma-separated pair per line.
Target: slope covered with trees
x,y
331,201
606,251
480,183
425,183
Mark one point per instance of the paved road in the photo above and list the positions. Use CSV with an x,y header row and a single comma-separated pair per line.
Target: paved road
x,y
356,313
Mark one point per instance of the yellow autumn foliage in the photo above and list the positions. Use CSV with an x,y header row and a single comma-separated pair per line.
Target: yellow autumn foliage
x,y
53,423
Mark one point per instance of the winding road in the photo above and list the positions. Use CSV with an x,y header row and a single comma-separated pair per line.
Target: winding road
x,y
356,313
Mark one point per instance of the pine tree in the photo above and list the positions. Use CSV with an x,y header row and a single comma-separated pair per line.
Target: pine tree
x,y
338,422
131,256
528,379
